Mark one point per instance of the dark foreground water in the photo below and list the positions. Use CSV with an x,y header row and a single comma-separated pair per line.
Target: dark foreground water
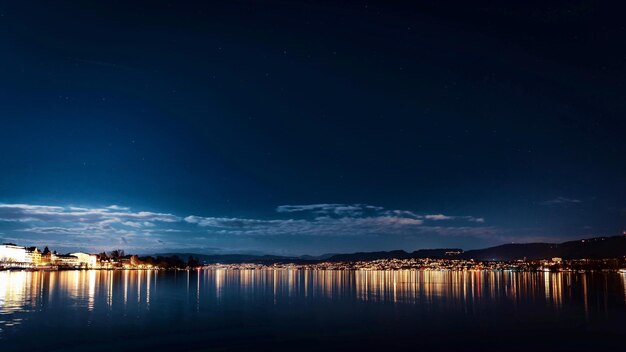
x,y
298,310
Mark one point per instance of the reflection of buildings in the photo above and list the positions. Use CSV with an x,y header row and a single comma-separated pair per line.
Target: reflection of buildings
x,y
466,292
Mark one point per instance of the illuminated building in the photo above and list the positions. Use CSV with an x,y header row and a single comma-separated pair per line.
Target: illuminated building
x,y
86,260
65,260
33,255
9,252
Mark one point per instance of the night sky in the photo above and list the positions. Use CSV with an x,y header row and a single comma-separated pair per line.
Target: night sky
x,y
296,127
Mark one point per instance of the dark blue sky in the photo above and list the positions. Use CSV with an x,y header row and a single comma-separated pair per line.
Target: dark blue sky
x,y
301,127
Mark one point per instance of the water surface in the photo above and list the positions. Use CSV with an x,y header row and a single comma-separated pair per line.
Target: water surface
x,y
310,310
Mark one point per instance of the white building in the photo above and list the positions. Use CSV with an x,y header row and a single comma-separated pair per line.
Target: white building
x,y
14,254
86,260
65,260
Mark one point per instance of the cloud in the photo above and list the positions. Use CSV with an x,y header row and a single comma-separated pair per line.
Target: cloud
x,y
138,224
403,213
324,208
54,230
562,201
438,217
229,222
110,214
471,218
74,226
302,208
330,219
117,207
320,226
105,227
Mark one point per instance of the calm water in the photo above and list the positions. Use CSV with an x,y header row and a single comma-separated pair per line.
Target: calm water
x,y
310,310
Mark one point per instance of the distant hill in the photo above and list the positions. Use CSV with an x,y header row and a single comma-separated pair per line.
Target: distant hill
x,y
531,251
369,256
317,257
592,248
399,254
436,253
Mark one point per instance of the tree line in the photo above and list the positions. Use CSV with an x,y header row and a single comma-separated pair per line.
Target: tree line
x,y
118,256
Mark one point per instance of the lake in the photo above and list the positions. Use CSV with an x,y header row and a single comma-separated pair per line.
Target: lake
x,y
311,310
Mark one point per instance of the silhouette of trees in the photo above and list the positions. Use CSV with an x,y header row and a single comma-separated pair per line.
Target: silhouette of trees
x,y
118,258
116,254
193,262
170,262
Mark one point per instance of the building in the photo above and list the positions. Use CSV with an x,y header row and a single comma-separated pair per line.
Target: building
x,y
66,260
11,253
33,255
46,256
86,260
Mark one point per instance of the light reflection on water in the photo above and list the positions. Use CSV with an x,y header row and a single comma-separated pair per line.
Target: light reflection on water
x,y
33,296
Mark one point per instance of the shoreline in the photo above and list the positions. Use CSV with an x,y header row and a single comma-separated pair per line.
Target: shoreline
x,y
250,267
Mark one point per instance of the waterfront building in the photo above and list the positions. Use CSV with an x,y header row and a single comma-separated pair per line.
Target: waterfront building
x,y
33,255
46,256
65,260
9,252
86,260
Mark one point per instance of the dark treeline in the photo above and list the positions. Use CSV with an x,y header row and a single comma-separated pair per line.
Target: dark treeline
x,y
118,258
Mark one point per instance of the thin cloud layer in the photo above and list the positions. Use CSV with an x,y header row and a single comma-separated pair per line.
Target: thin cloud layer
x,y
82,227
46,213
341,220
114,225
337,209
562,201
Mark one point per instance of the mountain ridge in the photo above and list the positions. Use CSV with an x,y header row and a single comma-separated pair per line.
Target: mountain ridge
x,y
590,248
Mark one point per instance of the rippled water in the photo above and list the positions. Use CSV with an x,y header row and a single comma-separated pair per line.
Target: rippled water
x,y
310,310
